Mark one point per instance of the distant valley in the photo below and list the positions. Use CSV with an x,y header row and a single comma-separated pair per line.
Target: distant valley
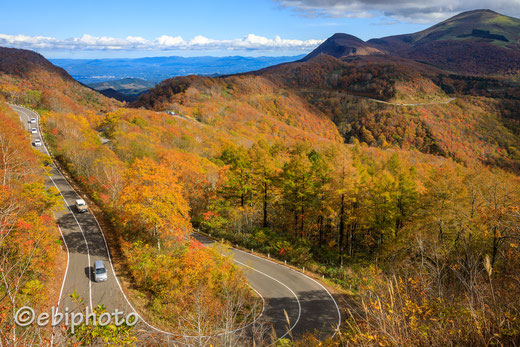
x,y
126,89
156,69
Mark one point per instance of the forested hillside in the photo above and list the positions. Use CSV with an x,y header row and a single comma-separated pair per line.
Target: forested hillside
x,y
243,105
176,275
391,221
454,117
149,178
413,215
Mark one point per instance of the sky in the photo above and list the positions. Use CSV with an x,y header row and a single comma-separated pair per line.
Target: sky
x,y
130,28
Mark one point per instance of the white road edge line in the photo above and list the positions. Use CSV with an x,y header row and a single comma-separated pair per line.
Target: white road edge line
x,y
84,238
128,301
64,242
312,279
66,247
66,268
166,332
292,292
63,281
298,272
137,313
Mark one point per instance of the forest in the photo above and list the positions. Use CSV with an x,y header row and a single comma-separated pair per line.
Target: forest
x,y
431,237
412,213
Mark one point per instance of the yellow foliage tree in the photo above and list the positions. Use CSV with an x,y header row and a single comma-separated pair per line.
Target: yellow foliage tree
x,y
152,202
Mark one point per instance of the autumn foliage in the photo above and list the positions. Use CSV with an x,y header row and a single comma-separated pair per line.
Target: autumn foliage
x,y
412,209
148,186
29,238
478,124
151,201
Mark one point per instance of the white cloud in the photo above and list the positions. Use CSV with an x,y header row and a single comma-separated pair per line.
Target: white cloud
x,y
202,41
418,11
164,42
34,41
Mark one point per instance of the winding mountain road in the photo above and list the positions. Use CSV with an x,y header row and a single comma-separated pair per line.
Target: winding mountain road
x,y
444,102
308,304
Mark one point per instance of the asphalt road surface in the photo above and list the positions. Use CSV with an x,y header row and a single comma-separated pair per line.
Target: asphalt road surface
x,y
309,306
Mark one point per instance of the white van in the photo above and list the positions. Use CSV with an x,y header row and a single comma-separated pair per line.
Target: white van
x,y
100,271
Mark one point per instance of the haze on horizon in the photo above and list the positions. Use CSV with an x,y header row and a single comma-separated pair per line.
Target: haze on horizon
x,y
131,29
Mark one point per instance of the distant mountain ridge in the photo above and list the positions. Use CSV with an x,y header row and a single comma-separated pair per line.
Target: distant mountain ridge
x,y
477,26
156,69
479,42
125,85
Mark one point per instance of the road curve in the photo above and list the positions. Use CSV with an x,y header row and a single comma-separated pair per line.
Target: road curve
x,y
308,304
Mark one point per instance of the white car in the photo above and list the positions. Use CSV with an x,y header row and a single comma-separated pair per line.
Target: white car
x,y
34,131
81,206
33,121
100,271
37,143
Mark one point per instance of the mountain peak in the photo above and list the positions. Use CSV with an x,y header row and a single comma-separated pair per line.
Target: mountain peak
x,y
343,36
481,12
477,41
341,45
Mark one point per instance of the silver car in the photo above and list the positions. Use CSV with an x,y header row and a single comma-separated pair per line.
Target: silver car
x,y
37,143
100,271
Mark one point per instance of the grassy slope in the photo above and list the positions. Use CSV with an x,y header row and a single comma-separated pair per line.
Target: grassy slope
x,y
463,24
